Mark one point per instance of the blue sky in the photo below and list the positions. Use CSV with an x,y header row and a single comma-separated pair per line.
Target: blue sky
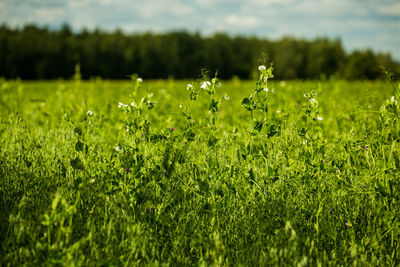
x,y
358,23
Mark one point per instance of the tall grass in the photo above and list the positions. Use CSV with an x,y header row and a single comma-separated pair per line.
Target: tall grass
x,y
150,173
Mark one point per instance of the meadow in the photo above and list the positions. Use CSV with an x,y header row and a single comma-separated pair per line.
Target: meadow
x,y
201,172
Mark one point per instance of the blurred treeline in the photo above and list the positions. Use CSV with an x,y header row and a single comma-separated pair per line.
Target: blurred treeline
x,y
34,52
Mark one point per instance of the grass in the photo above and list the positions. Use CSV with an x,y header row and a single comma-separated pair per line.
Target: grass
x,y
216,180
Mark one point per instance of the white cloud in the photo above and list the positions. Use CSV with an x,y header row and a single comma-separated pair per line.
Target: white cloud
x,y
242,22
48,15
390,9
269,3
211,3
77,4
170,7
106,2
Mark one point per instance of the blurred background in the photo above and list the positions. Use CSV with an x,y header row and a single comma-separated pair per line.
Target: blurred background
x,y
305,39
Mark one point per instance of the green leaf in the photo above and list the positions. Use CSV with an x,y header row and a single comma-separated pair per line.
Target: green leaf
x,y
255,127
273,130
194,95
212,140
251,174
76,164
78,131
28,163
380,163
79,146
214,105
186,115
190,135
248,104
63,170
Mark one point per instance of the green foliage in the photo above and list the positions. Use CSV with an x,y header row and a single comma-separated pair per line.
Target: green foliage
x,y
205,173
34,52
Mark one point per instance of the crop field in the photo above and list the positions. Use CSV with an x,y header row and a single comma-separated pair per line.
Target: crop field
x,y
199,172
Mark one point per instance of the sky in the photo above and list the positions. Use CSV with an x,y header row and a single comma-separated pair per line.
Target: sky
x,y
359,24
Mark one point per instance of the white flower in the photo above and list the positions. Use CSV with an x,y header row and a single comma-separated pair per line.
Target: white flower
x,y
180,106
262,67
205,85
120,105
319,118
304,141
127,128
219,85
393,100
266,89
90,113
189,86
227,97
92,180
305,95
313,101
118,149
139,80
278,111
133,104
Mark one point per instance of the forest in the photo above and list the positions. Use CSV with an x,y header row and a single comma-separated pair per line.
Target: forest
x,y
33,52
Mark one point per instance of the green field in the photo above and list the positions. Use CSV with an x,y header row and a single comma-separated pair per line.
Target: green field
x,y
305,174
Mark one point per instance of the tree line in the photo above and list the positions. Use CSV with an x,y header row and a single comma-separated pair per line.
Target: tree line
x,y
34,52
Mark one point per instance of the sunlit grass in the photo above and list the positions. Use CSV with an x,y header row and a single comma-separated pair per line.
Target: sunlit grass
x,y
199,176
